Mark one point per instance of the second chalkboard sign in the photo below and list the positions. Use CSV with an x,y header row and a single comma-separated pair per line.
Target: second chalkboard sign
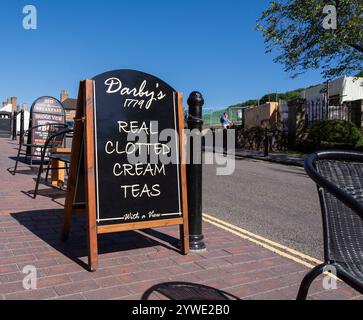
x,y
44,110
131,175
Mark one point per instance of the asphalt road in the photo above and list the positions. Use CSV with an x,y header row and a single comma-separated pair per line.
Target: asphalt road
x,y
275,201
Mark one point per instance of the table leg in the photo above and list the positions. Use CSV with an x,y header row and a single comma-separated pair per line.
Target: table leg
x,y
57,175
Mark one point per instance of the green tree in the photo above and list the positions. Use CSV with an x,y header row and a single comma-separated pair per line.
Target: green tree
x,y
295,28
252,102
284,97
292,95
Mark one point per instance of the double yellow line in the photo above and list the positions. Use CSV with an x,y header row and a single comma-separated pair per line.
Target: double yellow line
x,y
275,247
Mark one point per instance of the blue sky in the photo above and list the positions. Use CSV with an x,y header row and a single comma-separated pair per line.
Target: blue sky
x,y
204,45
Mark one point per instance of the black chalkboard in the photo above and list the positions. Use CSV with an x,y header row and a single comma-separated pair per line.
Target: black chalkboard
x,y
131,101
118,192
44,110
5,124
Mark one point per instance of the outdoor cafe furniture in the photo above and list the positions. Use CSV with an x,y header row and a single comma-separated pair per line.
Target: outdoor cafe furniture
x,y
57,155
339,177
50,128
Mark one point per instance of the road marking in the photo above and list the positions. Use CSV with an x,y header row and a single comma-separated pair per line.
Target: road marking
x,y
280,253
263,241
266,243
288,164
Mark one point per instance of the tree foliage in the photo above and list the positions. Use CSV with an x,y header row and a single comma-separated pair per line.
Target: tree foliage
x,y
248,103
284,97
295,28
337,131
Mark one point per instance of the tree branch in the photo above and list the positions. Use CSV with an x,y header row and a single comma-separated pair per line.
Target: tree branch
x,y
356,47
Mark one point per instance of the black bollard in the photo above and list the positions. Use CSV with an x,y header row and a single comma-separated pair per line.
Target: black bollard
x,y
194,175
15,114
266,143
225,149
21,140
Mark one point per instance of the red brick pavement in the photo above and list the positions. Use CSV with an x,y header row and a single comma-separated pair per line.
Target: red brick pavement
x,y
130,262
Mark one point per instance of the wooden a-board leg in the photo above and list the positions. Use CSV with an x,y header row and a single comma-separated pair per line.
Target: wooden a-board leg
x,y
75,156
68,212
90,177
184,228
184,239
92,246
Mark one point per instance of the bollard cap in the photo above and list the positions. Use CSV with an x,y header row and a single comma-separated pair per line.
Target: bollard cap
x,y
195,99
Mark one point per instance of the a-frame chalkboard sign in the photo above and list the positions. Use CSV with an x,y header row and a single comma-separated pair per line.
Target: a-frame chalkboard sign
x,y
114,111
44,110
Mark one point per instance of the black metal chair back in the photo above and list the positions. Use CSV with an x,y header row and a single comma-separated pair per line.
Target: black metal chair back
x,y
339,177
56,135
55,140
343,226
49,129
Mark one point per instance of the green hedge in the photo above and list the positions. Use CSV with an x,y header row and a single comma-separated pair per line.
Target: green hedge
x,y
331,134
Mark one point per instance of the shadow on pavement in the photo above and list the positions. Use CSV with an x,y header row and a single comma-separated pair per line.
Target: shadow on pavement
x,y
24,171
47,225
53,193
187,291
24,168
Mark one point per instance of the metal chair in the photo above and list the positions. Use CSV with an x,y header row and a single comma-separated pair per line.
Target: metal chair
x,y
54,141
339,177
51,129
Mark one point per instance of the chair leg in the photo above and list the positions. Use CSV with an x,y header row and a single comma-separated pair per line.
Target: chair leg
x,y
67,168
307,281
39,175
47,174
17,159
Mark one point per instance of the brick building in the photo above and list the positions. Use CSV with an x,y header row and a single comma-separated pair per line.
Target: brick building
x,y
11,104
69,105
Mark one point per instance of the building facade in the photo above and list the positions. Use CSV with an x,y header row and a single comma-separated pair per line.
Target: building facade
x,y
70,105
264,115
341,99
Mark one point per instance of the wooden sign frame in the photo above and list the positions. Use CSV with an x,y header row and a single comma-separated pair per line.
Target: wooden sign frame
x,y
84,134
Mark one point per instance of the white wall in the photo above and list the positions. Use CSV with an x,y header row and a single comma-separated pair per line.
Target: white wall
x,y
348,88
26,120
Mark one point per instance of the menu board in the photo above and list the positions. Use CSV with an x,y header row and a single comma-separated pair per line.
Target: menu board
x,y
45,110
136,117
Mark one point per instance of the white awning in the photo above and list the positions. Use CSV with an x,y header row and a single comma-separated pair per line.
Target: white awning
x,y
7,108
